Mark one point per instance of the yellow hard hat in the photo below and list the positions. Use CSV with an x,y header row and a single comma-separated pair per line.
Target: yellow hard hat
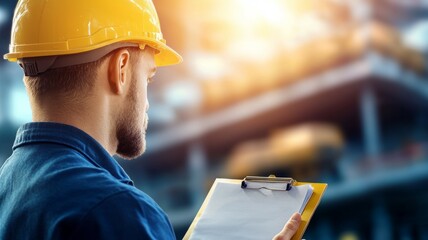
x,y
44,28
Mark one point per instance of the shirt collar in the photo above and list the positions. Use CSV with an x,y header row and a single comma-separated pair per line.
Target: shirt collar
x,y
37,132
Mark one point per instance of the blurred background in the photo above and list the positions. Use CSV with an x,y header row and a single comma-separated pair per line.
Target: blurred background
x,y
319,90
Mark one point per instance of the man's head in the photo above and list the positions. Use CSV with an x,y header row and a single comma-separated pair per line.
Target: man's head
x,y
71,80
120,78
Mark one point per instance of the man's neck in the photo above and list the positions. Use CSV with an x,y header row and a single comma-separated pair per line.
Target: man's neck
x,y
90,118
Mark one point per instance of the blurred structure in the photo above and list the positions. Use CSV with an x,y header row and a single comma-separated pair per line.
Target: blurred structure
x,y
255,67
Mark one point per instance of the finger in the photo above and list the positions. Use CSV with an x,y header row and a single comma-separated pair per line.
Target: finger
x,y
290,228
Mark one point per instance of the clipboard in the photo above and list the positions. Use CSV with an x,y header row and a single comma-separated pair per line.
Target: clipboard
x,y
284,183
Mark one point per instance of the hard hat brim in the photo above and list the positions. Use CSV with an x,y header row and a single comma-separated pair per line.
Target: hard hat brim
x,y
166,56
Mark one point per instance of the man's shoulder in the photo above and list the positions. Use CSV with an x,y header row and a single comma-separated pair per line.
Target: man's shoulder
x,y
101,200
128,202
64,180
130,214
61,191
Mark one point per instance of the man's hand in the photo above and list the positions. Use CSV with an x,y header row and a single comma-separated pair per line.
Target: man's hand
x,y
289,229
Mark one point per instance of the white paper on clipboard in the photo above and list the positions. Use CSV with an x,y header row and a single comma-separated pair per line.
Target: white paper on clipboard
x,y
236,213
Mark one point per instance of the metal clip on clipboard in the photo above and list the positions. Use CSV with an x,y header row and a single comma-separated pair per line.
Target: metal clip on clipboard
x,y
271,183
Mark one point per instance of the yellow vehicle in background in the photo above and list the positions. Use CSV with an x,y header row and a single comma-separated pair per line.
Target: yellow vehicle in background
x,y
301,152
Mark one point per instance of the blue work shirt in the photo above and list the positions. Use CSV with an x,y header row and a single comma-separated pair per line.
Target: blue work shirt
x,y
60,183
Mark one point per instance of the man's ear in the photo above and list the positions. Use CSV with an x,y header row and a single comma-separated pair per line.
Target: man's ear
x,y
118,69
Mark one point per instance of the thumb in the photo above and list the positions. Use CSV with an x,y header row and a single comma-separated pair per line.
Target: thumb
x,y
290,228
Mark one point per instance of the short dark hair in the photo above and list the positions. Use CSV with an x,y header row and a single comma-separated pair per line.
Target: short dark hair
x,y
72,82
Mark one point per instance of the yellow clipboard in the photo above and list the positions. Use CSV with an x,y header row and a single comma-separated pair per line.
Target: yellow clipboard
x,y
318,191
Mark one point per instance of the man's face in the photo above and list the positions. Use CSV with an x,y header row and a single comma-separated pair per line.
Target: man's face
x,y
133,120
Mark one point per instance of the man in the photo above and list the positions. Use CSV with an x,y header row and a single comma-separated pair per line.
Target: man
x,y
87,65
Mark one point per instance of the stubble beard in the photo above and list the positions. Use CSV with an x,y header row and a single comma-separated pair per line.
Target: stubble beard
x,y
131,138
